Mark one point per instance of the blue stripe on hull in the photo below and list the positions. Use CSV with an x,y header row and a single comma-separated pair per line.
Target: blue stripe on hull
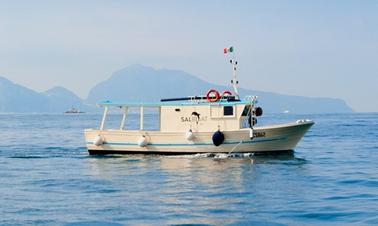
x,y
256,140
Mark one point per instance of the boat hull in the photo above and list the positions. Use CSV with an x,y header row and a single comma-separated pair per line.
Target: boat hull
x,y
275,138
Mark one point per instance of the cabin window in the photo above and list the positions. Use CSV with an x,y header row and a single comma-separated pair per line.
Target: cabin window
x,y
222,111
246,110
228,110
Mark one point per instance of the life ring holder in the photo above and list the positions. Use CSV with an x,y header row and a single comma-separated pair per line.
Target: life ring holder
x,y
213,99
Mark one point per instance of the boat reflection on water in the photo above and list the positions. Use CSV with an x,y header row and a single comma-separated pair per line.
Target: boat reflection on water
x,y
190,189
196,165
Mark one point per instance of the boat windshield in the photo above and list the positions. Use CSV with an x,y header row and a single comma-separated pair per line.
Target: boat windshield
x,y
246,110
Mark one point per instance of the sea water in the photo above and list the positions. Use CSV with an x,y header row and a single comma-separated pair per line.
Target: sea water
x,y
47,177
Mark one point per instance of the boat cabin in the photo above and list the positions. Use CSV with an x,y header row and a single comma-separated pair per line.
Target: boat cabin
x,y
176,115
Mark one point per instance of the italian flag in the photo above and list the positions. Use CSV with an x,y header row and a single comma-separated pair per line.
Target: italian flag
x,y
228,50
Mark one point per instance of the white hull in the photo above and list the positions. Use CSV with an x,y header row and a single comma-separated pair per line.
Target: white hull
x,y
273,138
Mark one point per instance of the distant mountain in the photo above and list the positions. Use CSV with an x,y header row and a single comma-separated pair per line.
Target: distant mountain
x,y
140,83
17,98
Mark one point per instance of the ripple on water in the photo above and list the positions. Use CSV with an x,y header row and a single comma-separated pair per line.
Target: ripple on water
x,y
256,223
362,182
93,223
349,197
30,157
331,216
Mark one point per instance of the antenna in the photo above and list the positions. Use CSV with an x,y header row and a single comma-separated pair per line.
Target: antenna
x,y
234,81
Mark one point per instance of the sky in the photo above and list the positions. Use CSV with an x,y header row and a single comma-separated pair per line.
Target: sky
x,y
313,48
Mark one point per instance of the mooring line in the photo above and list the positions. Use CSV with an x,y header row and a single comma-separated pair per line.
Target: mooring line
x,y
235,147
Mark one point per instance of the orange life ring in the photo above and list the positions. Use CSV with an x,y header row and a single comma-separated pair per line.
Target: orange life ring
x,y
226,93
212,98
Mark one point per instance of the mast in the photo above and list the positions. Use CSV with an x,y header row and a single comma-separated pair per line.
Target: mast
x,y
234,81
233,62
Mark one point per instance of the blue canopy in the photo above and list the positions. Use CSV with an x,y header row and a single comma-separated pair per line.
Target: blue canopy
x,y
170,103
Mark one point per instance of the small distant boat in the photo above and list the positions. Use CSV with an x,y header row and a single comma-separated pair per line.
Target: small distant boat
x,y
73,111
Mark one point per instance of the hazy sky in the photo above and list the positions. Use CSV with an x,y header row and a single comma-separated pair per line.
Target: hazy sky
x,y
308,48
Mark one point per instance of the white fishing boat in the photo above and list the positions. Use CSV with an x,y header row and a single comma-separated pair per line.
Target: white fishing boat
x,y
213,123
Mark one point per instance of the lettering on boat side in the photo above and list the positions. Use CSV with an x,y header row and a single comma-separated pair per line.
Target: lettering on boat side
x,y
193,119
259,134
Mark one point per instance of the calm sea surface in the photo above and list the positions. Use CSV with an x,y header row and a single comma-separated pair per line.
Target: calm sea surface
x,y
47,178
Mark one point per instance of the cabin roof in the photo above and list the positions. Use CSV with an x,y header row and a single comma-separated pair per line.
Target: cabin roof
x,y
170,103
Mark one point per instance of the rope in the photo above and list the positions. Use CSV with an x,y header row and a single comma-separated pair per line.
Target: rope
x,y
235,147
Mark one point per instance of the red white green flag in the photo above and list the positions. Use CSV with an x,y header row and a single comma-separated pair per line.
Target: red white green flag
x,y
228,50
